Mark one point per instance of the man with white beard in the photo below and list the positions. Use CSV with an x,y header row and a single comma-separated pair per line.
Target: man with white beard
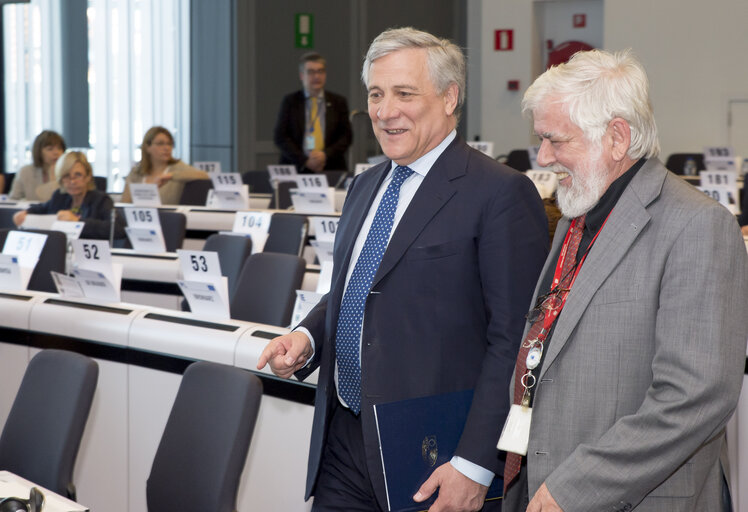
x,y
632,358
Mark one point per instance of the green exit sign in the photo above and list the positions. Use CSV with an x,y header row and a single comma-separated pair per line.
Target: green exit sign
x,y
304,30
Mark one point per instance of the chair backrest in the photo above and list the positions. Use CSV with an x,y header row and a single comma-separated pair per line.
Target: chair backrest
x,y
266,290
677,161
8,182
233,252
195,192
174,227
205,443
6,217
336,178
287,233
258,181
43,431
51,258
101,183
518,159
281,199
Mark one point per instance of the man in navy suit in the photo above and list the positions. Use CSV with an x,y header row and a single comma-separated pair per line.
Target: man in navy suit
x,y
313,131
445,306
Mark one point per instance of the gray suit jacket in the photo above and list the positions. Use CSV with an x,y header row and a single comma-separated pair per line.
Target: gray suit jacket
x,y
646,362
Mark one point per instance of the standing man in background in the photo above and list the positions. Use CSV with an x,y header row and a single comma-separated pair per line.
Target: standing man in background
x,y
633,357
313,131
435,258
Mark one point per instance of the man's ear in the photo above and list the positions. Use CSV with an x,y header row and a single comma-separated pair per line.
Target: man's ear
x,y
450,99
620,134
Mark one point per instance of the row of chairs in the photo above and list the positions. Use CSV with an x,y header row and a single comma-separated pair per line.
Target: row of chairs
x,y
198,462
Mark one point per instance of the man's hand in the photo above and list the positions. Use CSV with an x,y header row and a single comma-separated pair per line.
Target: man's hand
x,y
316,161
68,215
543,502
286,354
744,229
457,493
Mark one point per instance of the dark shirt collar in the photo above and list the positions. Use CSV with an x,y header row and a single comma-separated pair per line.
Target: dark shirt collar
x,y
597,215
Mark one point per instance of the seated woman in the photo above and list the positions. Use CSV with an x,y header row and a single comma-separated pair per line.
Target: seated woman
x,y
157,165
78,200
36,182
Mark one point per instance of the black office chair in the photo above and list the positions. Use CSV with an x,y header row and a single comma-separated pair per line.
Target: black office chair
x,y
336,178
677,161
205,443
266,290
287,233
258,182
43,431
51,258
233,252
283,195
8,182
173,227
518,159
101,183
6,217
195,192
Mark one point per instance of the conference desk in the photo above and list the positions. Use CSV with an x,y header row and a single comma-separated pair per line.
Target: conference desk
x,y
12,485
141,353
151,278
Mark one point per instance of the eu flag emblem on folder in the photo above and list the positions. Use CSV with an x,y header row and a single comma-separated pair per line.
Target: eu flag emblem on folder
x,y
416,436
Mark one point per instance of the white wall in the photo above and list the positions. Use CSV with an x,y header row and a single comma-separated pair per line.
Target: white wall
x,y
694,52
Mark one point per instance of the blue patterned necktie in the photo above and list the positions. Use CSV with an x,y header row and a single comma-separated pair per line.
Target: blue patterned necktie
x,y
348,337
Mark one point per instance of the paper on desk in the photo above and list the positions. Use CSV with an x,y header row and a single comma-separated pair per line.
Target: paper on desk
x,y
36,221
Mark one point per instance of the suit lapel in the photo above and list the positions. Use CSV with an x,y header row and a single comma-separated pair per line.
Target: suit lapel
x,y
627,220
329,112
433,193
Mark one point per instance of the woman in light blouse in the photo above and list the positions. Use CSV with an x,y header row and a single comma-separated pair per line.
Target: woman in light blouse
x,y
157,165
37,182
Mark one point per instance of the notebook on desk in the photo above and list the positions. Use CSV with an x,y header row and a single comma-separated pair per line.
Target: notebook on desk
x,y
416,436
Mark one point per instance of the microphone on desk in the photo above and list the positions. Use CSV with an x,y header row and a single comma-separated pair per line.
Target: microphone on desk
x,y
112,219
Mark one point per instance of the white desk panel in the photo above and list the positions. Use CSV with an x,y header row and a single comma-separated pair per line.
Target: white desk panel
x,y
180,334
101,467
281,423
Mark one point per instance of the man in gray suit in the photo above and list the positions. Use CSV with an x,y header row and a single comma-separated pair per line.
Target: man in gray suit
x,y
633,356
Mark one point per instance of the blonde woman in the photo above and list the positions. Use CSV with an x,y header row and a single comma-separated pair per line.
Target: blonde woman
x,y
77,199
157,165
36,182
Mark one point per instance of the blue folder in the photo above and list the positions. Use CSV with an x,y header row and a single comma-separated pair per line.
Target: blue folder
x,y
416,436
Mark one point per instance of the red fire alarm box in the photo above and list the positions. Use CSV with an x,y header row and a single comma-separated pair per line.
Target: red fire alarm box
x,y
504,40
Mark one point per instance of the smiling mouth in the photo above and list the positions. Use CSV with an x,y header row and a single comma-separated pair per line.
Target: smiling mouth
x,y
395,132
562,175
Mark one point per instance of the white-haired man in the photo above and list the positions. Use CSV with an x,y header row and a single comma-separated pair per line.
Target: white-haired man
x,y
429,287
632,359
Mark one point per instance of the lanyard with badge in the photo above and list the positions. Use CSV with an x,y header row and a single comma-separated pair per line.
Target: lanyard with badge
x,y
516,432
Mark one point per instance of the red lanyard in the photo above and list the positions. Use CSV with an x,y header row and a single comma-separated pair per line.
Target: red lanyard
x,y
560,299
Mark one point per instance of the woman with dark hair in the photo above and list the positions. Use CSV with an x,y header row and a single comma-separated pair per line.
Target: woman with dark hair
x,y
76,199
36,182
157,165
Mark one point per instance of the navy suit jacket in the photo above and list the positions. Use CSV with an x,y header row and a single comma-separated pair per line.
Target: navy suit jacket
x,y
447,305
291,125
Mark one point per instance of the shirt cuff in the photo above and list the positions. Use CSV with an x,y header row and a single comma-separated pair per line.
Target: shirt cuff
x,y
473,471
311,340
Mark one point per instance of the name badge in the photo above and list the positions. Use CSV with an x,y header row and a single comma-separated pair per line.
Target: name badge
x,y
307,201
71,229
515,436
204,299
146,239
209,167
256,225
236,198
145,194
309,143
545,182
725,195
226,180
305,302
67,286
281,172
324,228
10,273
96,285
94,255
312,182
27,246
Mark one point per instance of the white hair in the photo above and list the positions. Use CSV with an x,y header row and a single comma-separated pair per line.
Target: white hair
x,y
445,60
595,87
